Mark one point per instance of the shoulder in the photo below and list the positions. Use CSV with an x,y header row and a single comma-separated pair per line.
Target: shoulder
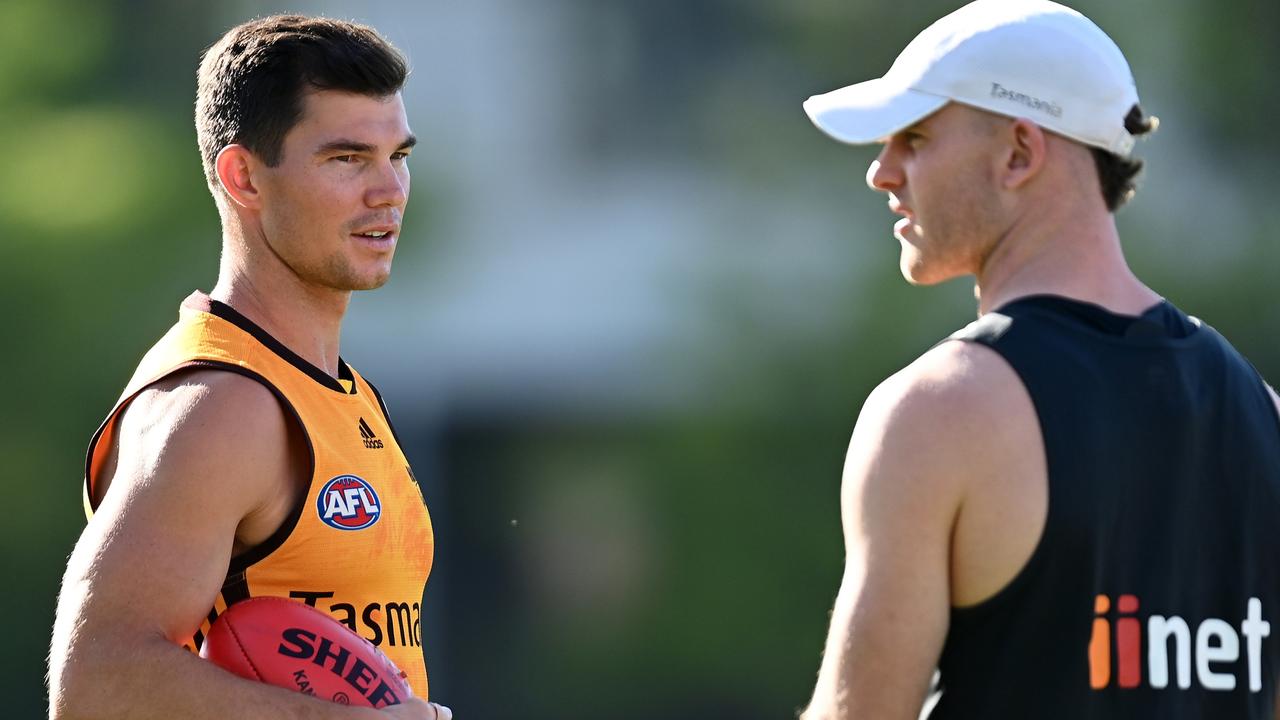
x,y
206,407
202,427
945,421
199,396
954,392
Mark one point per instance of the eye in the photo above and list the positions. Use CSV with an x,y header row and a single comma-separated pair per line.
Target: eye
x,y
399,156
912,139
345,158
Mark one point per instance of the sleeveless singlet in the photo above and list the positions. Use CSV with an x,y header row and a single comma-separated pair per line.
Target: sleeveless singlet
x,y
1155,583
360,546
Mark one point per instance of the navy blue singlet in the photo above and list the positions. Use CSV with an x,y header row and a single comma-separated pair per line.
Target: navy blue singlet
x,y
1155,586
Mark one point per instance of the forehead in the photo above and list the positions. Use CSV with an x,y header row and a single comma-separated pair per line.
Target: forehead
x,y
953,115
956,125
333,114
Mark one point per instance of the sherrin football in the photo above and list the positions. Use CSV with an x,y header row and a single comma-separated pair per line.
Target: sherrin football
x,y
286,643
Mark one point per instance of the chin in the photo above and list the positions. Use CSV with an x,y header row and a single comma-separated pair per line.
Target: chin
x,y
374,283
919,280
917,271
913,266
370,275
352,282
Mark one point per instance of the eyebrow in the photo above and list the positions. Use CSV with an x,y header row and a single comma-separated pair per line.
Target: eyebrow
x,y
354,146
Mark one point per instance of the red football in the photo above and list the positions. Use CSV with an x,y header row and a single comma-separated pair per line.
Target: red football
x,y
289,644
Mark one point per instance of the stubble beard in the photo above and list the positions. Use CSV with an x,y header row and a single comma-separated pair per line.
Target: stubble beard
x,y
335,271
937,258
962,232
338,274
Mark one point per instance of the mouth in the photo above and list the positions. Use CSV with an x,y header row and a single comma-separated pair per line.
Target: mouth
x,y
901,227
380,238
908,218
897,208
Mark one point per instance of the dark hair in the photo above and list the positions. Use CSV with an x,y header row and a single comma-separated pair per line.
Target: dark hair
x,y
1118,174
252,81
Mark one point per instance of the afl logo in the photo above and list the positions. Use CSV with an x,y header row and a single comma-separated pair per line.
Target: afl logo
x,y
348,503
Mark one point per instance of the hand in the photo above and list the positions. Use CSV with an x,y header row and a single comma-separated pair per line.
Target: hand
x,y
418,709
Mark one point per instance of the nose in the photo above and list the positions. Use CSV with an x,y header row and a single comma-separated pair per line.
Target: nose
x,y
390,187
885,174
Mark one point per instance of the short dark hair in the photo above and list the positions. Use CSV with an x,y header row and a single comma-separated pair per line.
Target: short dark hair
x,y
1118,175
252,81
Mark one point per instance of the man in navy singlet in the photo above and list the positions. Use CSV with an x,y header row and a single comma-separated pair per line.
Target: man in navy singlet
x,y
1069,508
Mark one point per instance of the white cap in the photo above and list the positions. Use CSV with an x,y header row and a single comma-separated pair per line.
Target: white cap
x,y
1031,59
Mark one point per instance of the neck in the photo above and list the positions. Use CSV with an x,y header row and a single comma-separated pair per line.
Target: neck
x,y
1071,251
305,318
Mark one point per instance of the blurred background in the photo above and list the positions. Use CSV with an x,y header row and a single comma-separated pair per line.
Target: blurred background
x,y
638,303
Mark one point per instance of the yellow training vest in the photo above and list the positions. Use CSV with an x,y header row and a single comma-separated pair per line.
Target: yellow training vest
x,y
361,545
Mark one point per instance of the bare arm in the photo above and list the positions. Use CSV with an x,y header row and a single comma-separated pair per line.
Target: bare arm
x,y
926,439
201,470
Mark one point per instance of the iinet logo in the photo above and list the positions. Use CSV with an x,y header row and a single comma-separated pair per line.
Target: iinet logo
x,y
1216,643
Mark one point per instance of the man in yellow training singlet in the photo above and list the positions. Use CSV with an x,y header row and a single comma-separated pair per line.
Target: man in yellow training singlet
x,y
245,458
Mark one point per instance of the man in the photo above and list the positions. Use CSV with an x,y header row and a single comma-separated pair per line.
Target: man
x,y
1068,510
245,457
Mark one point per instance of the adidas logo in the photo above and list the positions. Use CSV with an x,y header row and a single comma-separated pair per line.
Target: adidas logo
x,y
371,441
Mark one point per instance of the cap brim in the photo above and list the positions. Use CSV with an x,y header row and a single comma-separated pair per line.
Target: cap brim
x,y
870,111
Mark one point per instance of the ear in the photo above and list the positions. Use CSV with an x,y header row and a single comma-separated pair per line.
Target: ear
x,y
235,166
1026,153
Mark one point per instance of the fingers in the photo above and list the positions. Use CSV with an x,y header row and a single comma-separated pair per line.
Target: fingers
x,y
442,712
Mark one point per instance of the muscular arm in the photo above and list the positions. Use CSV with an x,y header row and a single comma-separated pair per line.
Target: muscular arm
x,y
201,470
931,447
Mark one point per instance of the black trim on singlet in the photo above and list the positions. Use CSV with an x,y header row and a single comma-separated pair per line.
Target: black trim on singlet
x,y
198,638
93,444
202,302
236,588
260,551
382,405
